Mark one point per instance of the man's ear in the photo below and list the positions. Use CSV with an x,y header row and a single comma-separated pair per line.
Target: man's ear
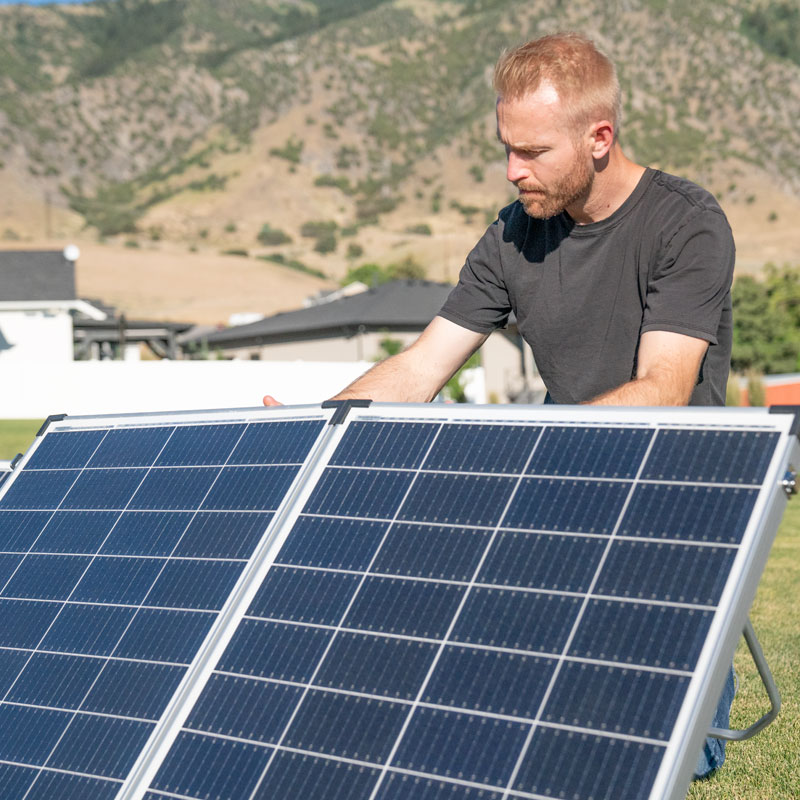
x,y
602,138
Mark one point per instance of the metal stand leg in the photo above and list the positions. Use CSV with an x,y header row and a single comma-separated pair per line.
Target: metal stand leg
x,y
769,685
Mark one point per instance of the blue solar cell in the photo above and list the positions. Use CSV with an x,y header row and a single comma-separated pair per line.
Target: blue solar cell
x,y
600,697
133,689
287,442
579,506
195,584
301,775
221,534
196,445
118,579
410,608
740,457
11,662
516,619
358,493
104,488
27,735
71,787
8,565
401,445
590,452
304,595
457,499
346,725
335,543
39,490
250,488
376,665
432,551
15,780
700,513
157,634
93,630
45,577
75,531
131,447
543,561
400,786
146,533
579,766
185,770
167,488
66,450
453,743
55,680
488,680
20,529
653,635
648,570
275,650
244,708
482,448
122,739
24,622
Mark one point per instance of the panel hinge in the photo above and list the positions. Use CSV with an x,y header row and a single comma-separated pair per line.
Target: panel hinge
x,y
789,481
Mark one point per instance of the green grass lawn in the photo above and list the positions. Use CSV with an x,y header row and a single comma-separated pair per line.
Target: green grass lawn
x,y
766,767
16,436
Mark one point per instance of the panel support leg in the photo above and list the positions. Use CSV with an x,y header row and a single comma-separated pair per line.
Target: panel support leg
x,y
769,684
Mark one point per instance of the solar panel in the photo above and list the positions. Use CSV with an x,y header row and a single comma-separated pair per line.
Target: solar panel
x,y
418,602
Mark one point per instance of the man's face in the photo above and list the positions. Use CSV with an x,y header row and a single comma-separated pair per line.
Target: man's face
x,y
549,164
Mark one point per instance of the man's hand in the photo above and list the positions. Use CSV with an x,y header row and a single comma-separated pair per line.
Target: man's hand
x,y
269,400
667,368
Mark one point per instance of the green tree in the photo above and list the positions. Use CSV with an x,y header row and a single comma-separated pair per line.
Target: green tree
x,y
766,337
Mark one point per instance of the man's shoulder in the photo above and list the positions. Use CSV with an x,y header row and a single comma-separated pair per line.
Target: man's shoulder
x,y
681,192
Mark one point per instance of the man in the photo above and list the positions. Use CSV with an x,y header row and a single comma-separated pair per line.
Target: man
x,y
619,276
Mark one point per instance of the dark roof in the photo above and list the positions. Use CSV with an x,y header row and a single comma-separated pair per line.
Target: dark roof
x,y
399,306
36,275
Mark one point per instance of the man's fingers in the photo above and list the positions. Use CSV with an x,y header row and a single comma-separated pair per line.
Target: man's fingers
x,y
269,400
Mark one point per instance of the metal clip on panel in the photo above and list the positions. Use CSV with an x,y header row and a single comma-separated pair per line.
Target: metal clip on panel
x,y
769,685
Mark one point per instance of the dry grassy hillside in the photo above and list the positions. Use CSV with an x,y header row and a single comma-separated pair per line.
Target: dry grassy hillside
x,y
329,134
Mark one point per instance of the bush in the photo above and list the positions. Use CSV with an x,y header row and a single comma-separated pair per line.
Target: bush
x,y
423,229
291,150
272,236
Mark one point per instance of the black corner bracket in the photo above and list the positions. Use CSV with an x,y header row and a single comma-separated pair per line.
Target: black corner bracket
x,y
16,460
343,408
51,418
795,429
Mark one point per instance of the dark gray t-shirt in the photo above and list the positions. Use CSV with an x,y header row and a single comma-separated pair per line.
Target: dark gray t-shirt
x,y
583,294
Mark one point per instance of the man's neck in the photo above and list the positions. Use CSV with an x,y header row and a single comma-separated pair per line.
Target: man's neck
x,y
613,185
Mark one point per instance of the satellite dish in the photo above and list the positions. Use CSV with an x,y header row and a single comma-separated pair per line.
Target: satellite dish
x,y
71,252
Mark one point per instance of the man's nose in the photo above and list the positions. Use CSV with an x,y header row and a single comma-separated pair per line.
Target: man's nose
x,y
516,168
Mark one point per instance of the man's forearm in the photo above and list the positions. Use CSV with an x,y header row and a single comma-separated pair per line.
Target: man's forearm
x,y
394,380
650,391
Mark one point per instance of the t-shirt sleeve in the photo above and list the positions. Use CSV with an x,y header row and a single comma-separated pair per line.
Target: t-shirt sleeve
x,y
479,302
687,286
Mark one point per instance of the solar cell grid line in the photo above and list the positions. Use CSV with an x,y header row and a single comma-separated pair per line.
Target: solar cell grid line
x,y
64,457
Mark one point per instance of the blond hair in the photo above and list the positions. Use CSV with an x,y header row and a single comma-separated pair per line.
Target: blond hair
x,y
584,78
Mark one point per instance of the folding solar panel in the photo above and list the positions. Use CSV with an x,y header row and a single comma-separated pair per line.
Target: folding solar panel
x,y
410,602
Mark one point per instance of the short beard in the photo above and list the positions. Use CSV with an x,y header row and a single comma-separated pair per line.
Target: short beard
x,y
553,200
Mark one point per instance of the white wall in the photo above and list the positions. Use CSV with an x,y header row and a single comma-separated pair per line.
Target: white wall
x,y
36,390
29,336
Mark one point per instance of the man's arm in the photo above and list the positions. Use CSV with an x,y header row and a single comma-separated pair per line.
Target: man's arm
x,y
667,368
417,374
